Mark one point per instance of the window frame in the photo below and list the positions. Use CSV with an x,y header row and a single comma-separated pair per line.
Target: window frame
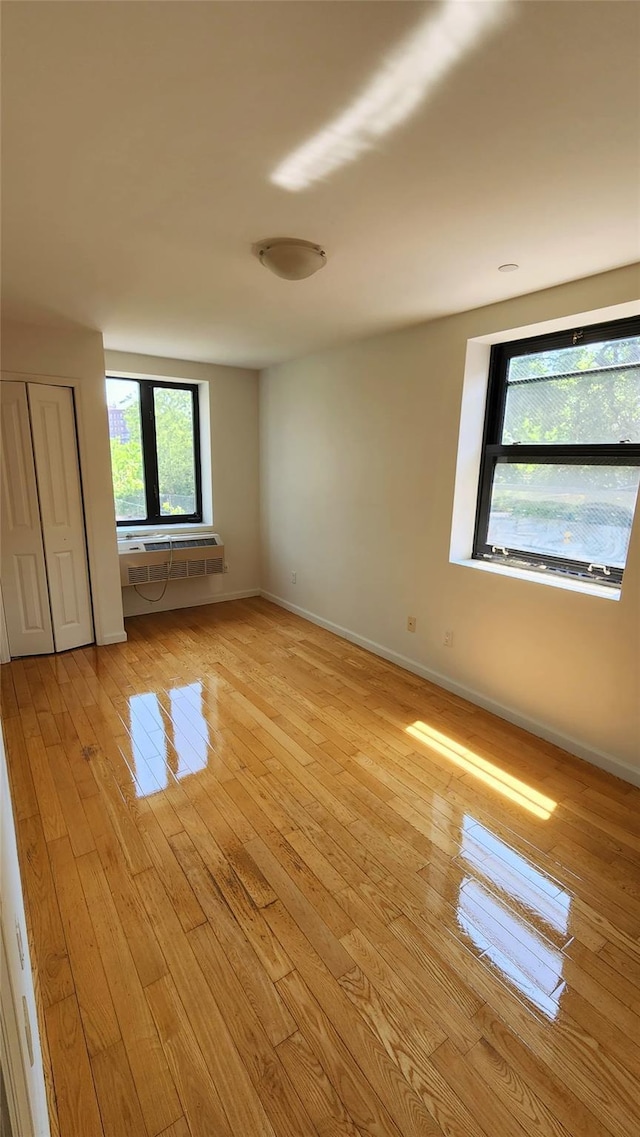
x,y
493,450
150,453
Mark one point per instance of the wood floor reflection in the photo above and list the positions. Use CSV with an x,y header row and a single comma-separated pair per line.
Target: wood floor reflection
x,y
277,887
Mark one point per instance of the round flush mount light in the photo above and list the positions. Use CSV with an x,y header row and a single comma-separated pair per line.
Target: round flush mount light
x,y
508,268
291,258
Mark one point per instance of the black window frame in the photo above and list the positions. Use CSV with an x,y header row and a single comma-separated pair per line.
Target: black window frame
x,y
493,450
150,453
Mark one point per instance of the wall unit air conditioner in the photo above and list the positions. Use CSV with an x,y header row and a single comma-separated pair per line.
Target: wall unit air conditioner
x,y
145,560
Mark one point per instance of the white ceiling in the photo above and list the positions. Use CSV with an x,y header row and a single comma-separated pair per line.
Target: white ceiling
x,y
139,140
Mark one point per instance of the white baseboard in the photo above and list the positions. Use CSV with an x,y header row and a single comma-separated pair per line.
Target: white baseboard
x,y
565,742
243,595
169,605
116,638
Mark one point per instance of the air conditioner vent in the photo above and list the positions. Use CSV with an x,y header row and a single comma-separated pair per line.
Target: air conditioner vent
x,y
156,561
138,575
188,543
177,571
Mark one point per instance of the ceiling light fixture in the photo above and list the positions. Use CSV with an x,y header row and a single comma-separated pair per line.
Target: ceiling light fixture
x,y
508,268
291,258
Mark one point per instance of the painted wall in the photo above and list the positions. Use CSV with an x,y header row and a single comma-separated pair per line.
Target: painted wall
x,y
17,983
76,359
232,397
358,461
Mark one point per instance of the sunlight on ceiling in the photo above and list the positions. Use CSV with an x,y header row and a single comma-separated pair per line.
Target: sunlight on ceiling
x,y
403,82
510,787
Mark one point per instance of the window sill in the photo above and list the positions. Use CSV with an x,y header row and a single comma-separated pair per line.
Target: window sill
x,y
542,578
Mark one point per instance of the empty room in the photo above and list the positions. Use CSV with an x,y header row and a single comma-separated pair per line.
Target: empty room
x,y
320,568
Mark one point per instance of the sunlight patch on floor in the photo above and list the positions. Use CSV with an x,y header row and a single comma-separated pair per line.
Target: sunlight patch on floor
x,y
486,772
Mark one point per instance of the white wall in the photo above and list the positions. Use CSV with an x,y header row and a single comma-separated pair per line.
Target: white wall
x,y
358,460
17,983
232,395
76,359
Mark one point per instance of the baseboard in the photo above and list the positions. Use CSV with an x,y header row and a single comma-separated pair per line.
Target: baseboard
x,y
565,742
224,596
220,598
116,638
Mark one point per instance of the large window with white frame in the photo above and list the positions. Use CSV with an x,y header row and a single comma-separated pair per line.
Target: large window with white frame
x,y
154,432
561,454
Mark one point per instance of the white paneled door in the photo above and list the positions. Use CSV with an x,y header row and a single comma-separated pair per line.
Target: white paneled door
x,y
56,453
42,470
24,579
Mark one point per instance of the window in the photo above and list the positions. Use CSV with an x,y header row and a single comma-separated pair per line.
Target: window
x,y
561,455
155,451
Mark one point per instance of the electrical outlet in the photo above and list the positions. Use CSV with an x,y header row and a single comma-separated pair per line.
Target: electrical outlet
x,y
411,623
294,577
448,639
225,567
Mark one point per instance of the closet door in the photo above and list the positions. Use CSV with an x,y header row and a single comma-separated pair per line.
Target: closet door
x,y
24,580
56,457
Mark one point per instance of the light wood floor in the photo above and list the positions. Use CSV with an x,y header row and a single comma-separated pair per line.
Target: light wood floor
x,y
279,888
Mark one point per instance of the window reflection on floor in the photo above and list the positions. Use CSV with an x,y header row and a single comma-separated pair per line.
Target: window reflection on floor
x,y
148,744
525,941
190,730
169,736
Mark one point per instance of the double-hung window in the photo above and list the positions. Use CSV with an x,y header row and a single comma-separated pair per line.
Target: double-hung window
x,y
154,432
561,455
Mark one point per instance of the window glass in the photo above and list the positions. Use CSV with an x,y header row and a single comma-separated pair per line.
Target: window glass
x,y
127,467
176,458
582,513
561,463
575,395
154,434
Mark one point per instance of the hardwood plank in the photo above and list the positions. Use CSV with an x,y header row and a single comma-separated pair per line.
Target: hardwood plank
x,y
203,1110
367,1098
452,1019
223,881
277,1094
51,962
142,941
176,883
324,1104
480,1099
23,794
239,1099
154,1085
411,1052
71,805
549,1086
499,1076
179,1129
311,924
51,815
253,978
94,998
116,1092
78,1111
8,700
